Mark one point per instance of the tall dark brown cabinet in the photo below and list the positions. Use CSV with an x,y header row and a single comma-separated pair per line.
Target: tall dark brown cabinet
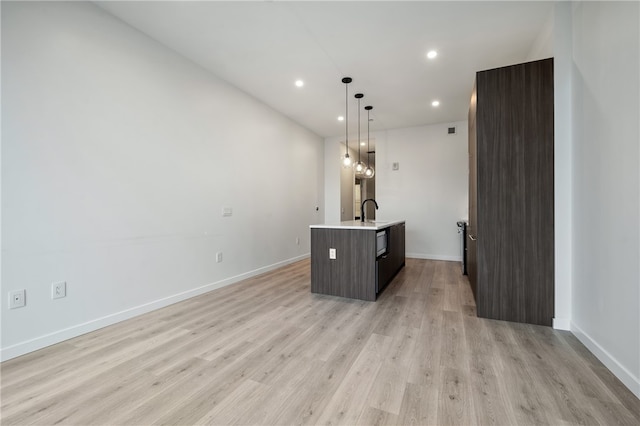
x,y
510,235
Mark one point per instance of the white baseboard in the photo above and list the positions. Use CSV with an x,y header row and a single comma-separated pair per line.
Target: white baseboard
x,y
625,376
562,324
434,257
31,345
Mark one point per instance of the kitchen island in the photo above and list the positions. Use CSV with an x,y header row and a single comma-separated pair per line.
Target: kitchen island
x,y
356,259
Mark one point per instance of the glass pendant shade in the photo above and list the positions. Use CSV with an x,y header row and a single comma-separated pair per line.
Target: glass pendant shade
x,y
369,172
346,161
359,167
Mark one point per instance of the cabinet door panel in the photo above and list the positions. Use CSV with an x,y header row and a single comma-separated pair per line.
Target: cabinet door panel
x,y
385,270
513,215
397,246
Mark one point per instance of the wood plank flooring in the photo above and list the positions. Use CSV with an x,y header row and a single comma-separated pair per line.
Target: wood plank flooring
x,y
267,351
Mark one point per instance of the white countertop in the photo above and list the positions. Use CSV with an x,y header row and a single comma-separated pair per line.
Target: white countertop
x,y
356,224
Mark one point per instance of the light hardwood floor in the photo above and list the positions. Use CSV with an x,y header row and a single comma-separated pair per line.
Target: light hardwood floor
x,y
267,351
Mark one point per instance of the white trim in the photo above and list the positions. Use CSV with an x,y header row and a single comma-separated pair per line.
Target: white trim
x,y
625,376
434,257
562,324
95,324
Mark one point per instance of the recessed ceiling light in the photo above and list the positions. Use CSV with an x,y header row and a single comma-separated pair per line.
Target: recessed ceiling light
x,y
341,118
435,103
432,54
299,83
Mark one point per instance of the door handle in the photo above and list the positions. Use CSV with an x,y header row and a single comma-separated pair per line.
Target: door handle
x,y
472,238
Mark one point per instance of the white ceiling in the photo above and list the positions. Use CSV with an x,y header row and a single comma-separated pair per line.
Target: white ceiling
x,y
263,47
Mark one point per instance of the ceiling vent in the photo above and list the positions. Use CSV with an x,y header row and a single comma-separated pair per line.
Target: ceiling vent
x,y
451,131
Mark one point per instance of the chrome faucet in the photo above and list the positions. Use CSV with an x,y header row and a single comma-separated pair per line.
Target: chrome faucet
x,y
362,208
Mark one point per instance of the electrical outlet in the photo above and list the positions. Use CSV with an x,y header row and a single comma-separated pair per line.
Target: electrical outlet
x,y
219,257
298,240
59,290
332,253
17,299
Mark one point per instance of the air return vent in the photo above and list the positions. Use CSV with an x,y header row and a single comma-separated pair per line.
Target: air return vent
x,y
451,130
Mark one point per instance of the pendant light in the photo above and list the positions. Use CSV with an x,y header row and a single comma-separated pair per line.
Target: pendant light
x,y
369,172
359,167
347,160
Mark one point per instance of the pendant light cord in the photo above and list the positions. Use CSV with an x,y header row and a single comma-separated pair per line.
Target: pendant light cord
x,y
359,129
346,115
368,149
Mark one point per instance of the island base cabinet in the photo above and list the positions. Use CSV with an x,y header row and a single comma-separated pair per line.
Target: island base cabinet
x,y
344,262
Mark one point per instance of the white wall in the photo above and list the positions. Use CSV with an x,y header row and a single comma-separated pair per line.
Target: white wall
x,y
333,152
429,191
606,184
118,156
543,45
563,141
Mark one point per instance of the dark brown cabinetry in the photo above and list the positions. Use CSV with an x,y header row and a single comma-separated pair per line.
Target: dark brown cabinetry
x,y
356,272
388,264
510,235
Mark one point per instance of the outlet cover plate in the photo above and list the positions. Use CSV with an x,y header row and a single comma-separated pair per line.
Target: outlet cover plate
x,y
17,299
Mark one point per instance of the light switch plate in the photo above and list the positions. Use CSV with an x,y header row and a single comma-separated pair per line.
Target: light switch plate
x,y
59,290
227,211
332,253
